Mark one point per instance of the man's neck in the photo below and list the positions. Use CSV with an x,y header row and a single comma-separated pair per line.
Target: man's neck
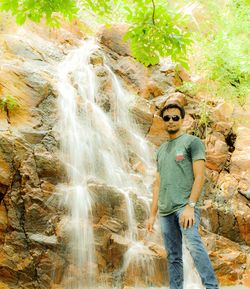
x,y
175,135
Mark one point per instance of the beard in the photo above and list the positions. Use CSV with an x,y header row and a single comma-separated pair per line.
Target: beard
x,y
172,130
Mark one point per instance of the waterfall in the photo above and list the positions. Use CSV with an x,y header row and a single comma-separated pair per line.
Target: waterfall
x,y
75,129
91,146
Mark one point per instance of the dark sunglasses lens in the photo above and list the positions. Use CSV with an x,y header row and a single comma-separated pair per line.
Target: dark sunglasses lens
x,y
175,118
166,118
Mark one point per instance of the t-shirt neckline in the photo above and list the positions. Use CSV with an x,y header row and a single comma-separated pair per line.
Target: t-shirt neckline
x,y
176,137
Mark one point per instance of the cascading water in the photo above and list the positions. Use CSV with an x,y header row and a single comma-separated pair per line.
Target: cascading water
x,y
92,147
75,131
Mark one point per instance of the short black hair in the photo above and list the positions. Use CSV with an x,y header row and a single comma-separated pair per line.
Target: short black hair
x,y
173,105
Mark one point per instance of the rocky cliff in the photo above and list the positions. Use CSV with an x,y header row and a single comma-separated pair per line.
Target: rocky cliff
x,y
32,238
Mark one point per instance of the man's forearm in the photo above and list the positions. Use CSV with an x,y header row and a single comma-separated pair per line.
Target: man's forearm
x,y
154,206
197,188
199,179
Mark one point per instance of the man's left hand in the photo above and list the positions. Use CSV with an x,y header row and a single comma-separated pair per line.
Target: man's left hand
x,y
187,218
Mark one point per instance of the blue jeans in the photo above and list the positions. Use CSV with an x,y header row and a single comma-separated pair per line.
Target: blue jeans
x,y
172,233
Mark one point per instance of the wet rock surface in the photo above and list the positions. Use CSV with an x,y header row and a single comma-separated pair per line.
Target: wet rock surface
x,y
33,238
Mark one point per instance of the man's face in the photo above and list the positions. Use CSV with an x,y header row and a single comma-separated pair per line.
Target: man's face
x,y
172,114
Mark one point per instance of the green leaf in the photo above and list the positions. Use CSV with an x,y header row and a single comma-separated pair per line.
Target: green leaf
x,y
20,18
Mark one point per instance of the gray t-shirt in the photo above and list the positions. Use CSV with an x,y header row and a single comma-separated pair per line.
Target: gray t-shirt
x,y
174,163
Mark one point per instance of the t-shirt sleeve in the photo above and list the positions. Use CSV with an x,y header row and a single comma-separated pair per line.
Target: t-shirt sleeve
x,y
197,150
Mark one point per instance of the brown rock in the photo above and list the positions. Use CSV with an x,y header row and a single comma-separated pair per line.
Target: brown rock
x,y
112,37
134,75
188,124
152,89
246,279
216,151
118,247
229,262
209,217
48,164
183,74
47,263
159,102
33,228
240,160
157,133
112,224
34,48
5,172
222,127
6,162
4,286
228,185
96,58
3,223
243,219
102,237
222,112
108,201
139,261
142,112
176,97
158,250
37,218
3,119
32,136
140,209
212,176
227,216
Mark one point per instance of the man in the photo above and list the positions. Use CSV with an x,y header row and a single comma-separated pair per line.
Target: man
x,y
180,178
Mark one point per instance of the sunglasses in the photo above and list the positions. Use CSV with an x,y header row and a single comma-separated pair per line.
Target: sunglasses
x,y
173,117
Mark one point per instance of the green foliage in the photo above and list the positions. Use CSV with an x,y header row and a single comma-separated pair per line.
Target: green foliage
x,y
204,114
188,87
154,29
99,7
36,10
8,103
225,49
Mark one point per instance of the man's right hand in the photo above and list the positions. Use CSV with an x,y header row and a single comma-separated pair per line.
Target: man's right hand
x,y
150,224
154,208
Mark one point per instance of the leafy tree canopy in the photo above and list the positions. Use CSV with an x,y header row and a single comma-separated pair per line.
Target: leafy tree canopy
x,y
222,51
155,30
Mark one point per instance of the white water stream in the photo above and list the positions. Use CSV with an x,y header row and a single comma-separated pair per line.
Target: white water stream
x,y
92,147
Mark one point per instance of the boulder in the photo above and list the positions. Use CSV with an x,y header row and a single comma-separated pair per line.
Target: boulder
x,y
240,160
140,260
216,151
118,247
222,127
5,172
227,216
157,133
48,164
222,112
3,222
227,257
134,75
108,201
112,37
142,113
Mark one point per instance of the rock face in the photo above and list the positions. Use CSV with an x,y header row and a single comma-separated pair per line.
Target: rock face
x,y
32,238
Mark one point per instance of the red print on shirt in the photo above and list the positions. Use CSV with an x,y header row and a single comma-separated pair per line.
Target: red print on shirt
x,y
179,157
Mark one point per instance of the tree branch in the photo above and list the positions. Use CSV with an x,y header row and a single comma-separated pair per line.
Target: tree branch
x,y
153,15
